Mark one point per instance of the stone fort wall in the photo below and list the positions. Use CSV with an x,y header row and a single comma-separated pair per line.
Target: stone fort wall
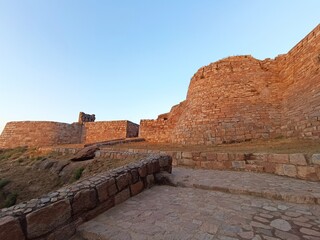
x,y
241,98
41,133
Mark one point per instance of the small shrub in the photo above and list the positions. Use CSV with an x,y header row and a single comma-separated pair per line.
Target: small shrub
x,y
78,173
10,200
3,182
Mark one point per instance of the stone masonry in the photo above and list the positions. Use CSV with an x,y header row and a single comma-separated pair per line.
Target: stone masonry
x,y
241,98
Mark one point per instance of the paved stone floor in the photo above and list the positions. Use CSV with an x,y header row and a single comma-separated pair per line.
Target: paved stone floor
x,y
165,212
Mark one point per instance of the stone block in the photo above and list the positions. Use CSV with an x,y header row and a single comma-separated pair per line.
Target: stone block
x,y
10,229
187,155
135,175
149,181
136,188
206,164
307,173
279,169
122,196
112,189
238,164
45,220
278,158
143,170
211,156
222,157
122,181
102,190
297,159
84,201
289,170
186,162
62,233
269,167
315,159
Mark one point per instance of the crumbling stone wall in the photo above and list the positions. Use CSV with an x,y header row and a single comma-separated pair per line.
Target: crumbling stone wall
x,y
34,133
241,98
83,117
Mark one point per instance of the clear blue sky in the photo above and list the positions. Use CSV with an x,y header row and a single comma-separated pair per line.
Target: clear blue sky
x,y
129,59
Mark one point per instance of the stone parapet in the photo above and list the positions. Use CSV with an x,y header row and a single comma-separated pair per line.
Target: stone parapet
x,y
57,214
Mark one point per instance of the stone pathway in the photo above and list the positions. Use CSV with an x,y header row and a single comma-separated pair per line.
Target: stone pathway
x,y
165,212
257,184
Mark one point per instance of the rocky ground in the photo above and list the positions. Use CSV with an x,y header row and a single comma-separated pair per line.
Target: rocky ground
x,y
28,173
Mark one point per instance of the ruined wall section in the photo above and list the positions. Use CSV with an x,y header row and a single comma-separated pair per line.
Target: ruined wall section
x,y
300,72
160,129
106,130
132,129
38,133
234,99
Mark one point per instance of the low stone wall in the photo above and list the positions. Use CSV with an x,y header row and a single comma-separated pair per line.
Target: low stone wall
x,y
56,215
295,165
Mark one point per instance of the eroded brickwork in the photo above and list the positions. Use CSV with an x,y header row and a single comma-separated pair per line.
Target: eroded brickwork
x,y
241,98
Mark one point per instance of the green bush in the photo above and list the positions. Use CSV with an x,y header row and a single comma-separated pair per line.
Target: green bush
x,y
3,182
78,173
10,200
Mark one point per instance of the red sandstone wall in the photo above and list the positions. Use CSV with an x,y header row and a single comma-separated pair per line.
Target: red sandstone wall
x,y
234,99
160,130
31,133
106,130
300,71
241,98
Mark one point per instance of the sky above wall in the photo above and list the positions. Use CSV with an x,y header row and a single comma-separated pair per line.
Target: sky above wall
x,y
127,59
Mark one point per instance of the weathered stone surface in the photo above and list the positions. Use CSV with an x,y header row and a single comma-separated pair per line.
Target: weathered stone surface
x,y
297,159
307,172
315,159
122,196
112,189
187,155
122,181
62,233
149,181
102,190
238,164
278,158
84,200
85,153
289,170
143,171
136,188
281,224
10,229
310,232
48,218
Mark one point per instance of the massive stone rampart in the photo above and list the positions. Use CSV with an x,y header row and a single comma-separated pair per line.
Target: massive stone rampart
x,y
241,98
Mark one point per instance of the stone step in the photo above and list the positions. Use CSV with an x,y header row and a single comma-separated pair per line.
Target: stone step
x,y
247,183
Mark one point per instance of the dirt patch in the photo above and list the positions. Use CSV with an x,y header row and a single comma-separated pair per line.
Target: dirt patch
x,y
257,146
28,173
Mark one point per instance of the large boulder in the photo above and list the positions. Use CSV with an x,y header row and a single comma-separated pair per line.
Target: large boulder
x,y
85,153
